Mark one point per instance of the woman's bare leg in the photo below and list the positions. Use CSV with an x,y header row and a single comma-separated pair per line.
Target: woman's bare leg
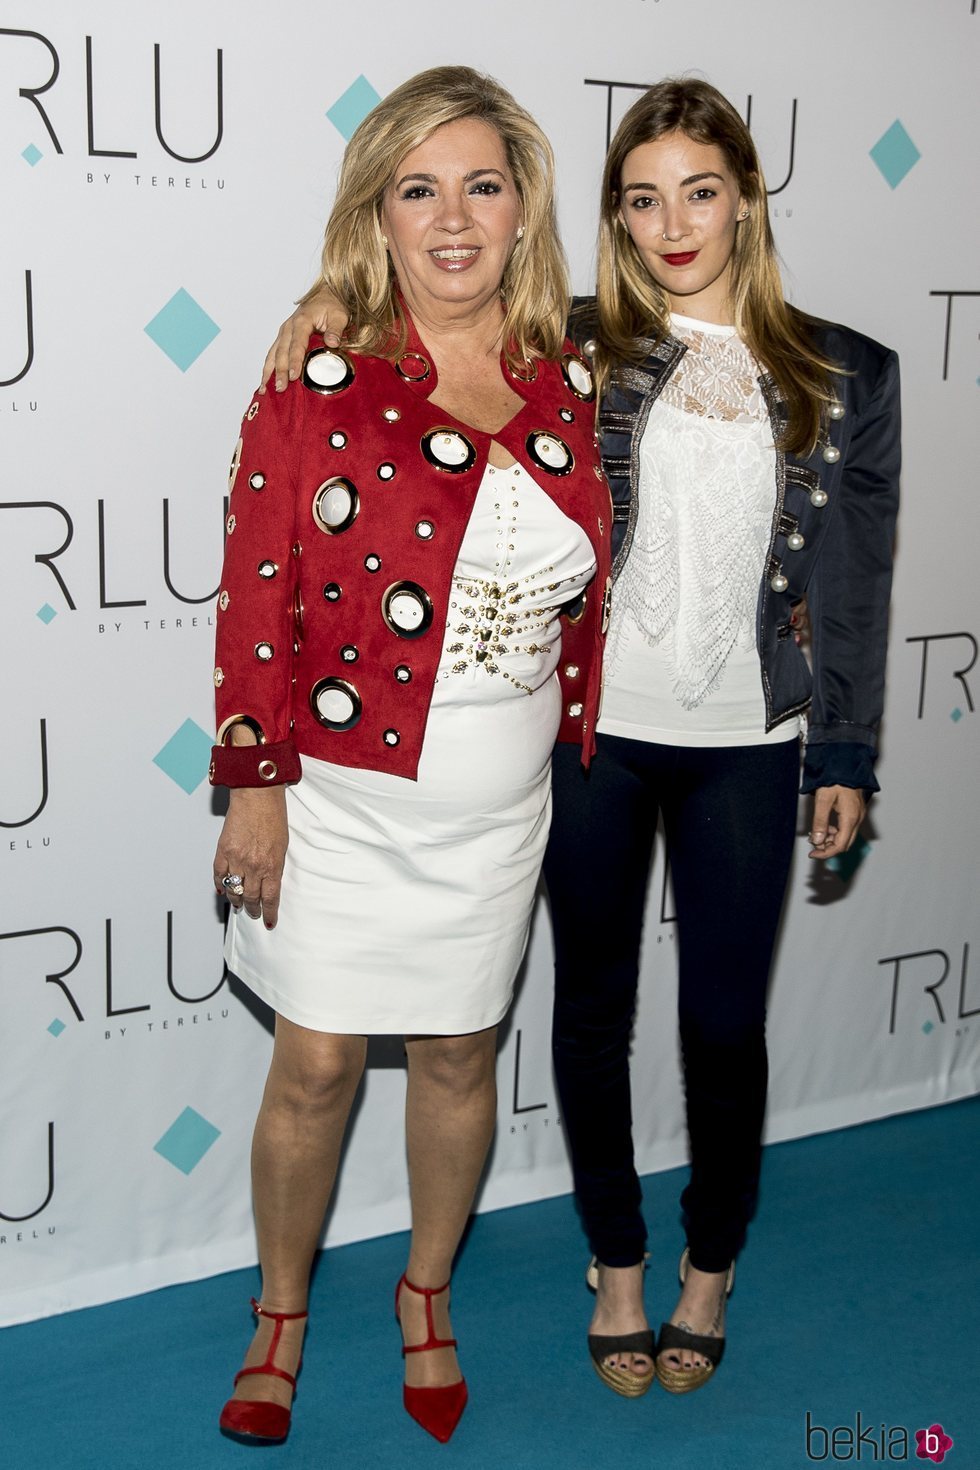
x,y
450,1113
295,1150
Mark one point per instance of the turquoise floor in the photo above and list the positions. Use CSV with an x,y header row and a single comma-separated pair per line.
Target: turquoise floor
x,y
858,1296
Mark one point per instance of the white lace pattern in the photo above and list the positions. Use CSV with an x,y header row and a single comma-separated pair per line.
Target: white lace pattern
x,y
691,582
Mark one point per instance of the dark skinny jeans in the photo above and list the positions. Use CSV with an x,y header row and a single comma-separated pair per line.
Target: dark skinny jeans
x,y
730,817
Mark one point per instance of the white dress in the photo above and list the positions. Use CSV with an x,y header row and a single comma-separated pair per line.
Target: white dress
x,y
406,904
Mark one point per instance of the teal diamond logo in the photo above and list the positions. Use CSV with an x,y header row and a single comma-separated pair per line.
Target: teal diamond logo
x,y
957,715
895,153
56,1027
186,756
846,864
187,1140
182,329
927,1027
353,106
46,613
32,154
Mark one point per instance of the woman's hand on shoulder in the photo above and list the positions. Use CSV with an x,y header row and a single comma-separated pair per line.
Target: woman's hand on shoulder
x,y
838,812
253,845
322,313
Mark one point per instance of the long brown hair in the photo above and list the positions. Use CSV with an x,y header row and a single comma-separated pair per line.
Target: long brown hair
x,y
632,305
355,264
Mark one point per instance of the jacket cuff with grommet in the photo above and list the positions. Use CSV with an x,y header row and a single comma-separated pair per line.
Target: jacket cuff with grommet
x,y
255,765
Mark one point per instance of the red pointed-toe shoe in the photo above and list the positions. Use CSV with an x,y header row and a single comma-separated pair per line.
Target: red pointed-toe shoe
x,y
257,1421
438,1410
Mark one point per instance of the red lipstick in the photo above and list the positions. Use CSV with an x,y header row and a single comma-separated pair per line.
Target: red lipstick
x,y
684,258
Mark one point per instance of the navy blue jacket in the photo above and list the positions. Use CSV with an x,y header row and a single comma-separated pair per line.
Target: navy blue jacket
x,y
841,500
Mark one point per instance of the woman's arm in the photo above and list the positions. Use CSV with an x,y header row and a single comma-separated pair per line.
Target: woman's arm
x,y
322,313
255,614
256,754
847,599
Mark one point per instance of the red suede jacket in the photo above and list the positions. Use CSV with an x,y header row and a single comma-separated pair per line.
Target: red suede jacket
x,y
350,496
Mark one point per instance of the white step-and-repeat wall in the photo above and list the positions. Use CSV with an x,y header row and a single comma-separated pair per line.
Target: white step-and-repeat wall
x,y
165,173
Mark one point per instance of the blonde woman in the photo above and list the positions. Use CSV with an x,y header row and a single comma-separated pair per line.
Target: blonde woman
x,y
407,522
753,457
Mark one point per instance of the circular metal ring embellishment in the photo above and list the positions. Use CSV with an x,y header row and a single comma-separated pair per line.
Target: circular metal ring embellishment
x,y
449,450
413,367
407,609
335,505
245,720
575,610
550,453
335,703
327,371
578,377
236,460
529,373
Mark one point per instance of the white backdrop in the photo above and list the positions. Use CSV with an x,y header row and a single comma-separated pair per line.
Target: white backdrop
x,y
166,171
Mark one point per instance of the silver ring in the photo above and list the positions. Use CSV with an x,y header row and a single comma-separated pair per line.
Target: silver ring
x,y
233,883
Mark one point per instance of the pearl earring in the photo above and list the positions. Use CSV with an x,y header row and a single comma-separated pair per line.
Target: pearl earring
x,y
384,241
520,232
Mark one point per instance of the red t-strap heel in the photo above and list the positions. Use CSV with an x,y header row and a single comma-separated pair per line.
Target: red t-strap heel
x,y
439,1409
257,1421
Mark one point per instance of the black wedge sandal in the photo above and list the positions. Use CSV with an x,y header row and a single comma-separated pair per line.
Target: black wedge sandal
x,y
674,1338
620,1380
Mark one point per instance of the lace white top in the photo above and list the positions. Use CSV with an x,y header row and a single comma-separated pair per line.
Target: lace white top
x,y
682,666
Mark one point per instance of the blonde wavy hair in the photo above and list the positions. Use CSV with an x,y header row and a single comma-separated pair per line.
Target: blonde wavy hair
x,y
632,305
355,265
